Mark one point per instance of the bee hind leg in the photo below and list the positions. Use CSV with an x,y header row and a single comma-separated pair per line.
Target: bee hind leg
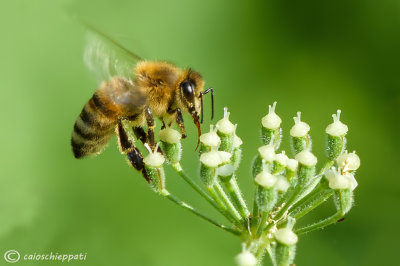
x,y
133,154
140,134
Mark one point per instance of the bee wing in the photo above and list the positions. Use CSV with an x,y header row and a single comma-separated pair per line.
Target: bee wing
x,y
106,58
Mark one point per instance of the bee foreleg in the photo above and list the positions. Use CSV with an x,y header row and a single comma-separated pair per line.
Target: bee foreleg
x,y
126,146
179,121
150,126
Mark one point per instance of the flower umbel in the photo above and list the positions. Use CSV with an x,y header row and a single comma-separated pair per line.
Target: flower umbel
x,y
287,186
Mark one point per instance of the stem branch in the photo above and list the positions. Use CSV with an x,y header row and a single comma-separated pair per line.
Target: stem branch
x,y
196,212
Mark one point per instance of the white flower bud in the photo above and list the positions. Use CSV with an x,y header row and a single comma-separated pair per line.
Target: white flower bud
x,y
211,159
300,129
245,258
339,181
282,184
225,170
292,164
237,142
281,158
169,135
224,125
267,152
265,179
348,161
215,158
286,236
211,138
337,128
352,180
271,120
154,159
306,158
225,156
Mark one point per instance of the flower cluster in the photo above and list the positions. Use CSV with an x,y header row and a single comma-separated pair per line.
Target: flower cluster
x,y
286,189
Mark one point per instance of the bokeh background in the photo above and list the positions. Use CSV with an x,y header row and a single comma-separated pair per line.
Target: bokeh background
x,y
310,56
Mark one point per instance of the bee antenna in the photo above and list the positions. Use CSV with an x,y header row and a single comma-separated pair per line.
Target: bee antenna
x,y
202,112
212,102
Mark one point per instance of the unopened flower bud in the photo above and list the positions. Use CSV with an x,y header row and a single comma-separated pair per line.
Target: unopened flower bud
x,y
336,141
266,192
171,144
237,150
339,181
153,164
348,161
286,236
282,184
291,169
225,131
279,163
267,152
225,172
265,179
210,140
245,258
307,162
210,161
270,130
286,244
299,137
264,159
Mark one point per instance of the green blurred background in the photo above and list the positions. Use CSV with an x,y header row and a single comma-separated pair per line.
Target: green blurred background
x,y
313,56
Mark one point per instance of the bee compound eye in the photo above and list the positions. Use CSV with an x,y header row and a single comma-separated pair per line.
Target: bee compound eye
x,y
187,89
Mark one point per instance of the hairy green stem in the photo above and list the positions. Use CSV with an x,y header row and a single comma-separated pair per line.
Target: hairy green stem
x,y
321,224
196,212
236,195
177,167
313,202
222,207
228,203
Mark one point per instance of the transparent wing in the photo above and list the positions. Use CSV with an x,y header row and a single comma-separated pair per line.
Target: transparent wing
x,y
106,58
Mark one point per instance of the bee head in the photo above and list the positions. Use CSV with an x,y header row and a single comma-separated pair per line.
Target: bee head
x,y
191,96
190,88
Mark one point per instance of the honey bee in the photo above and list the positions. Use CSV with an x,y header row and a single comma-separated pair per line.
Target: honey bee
x,y
133,91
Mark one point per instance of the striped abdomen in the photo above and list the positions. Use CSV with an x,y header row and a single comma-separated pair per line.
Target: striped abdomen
x,y
95,125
